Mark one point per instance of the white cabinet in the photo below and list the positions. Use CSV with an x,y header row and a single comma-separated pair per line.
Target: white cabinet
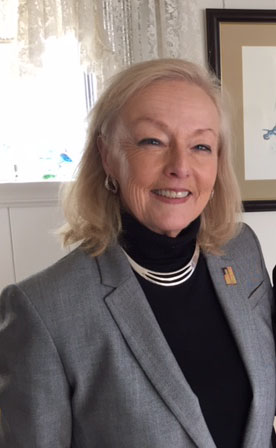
x,y
35,244
29,218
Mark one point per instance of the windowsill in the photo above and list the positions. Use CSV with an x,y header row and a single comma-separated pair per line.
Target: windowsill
x,y
29,194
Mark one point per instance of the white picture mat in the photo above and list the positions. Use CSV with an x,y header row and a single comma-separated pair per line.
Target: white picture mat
x,y
259,104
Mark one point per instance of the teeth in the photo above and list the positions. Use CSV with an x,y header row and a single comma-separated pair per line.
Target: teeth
x,y
172,194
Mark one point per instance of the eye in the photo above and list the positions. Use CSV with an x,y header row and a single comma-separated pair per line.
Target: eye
x,y
149,141
205,148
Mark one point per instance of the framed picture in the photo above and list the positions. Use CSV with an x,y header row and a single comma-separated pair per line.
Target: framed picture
x,y
242,52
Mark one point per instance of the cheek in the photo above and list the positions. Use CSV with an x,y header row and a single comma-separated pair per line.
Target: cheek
x,y
213,176
213,171
208,177
138,170
135,180
134,196
129,175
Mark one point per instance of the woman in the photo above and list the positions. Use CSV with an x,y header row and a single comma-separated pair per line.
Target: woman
x,y
156,331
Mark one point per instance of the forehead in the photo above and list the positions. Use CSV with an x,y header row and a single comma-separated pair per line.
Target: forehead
x,y
169,98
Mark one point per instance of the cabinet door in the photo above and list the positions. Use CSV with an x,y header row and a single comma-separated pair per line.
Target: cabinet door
x,y
35,245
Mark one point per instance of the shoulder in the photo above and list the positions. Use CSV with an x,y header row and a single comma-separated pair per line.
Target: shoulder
x,y
65,302
66,286
243,253
245,244
67,273
74,282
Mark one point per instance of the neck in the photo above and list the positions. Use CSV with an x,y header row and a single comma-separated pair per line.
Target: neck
x,y
155,251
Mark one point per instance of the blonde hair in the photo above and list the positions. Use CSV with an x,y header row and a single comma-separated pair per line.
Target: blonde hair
x,y
93,213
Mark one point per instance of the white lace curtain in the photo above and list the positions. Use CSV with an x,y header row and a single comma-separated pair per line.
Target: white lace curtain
x,y
111,33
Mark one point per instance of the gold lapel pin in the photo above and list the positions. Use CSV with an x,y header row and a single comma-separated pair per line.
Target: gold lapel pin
x,y
229,276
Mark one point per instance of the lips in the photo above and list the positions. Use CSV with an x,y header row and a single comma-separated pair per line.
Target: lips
x,y
172,194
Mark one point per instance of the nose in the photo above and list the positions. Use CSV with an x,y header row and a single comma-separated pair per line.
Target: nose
x,y
178,163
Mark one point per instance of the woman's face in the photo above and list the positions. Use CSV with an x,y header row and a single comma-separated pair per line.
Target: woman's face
x,y
167,154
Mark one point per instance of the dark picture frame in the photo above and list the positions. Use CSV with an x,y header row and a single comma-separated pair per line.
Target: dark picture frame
x,y
229,31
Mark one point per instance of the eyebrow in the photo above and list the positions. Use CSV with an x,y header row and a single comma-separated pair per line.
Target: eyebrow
x,y
202,131
162,125
154,121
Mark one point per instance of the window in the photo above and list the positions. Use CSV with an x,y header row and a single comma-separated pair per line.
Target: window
x,y
43,113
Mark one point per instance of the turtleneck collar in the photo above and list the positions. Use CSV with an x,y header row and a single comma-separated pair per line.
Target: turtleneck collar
x,y
155,251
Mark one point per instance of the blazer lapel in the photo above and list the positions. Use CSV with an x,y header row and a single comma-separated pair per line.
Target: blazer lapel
x,y
234,300
134,317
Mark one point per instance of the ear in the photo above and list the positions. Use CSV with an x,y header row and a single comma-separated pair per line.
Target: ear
x,y
105,154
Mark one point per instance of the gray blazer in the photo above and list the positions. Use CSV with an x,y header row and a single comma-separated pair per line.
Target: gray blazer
x,y
84,364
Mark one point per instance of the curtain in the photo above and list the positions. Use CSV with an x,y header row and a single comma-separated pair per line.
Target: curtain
x,y
111,33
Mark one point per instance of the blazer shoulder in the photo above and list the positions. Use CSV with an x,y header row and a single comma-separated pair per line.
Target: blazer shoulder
x,y
72,266
65,281
245,250
245,242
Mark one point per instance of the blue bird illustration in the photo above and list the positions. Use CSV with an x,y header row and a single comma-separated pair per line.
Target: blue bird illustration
x,y
269,133
65,157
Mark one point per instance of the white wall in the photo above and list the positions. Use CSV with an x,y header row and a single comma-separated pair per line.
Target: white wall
x,y
27,221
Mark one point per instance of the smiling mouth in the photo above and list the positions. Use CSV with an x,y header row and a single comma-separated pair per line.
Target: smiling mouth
x,y
171,194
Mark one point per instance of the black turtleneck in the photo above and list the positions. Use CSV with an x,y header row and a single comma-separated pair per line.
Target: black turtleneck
x,y
195,328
